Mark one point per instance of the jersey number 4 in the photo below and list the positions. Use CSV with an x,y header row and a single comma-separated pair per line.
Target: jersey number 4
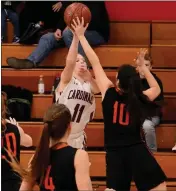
x,y
78,111
120,108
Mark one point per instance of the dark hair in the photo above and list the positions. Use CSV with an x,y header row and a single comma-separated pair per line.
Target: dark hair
x,y
3,104
56,122
3,110
139,105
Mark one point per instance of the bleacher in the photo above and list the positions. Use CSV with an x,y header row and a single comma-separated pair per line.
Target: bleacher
x,y
127,38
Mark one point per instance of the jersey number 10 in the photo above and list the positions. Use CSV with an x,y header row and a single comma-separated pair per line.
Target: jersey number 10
x,y
121,113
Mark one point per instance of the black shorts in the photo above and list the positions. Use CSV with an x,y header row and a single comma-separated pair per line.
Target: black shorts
x,y
133,163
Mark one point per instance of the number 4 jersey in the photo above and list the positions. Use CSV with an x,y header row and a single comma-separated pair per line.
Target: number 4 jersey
x,y
80,100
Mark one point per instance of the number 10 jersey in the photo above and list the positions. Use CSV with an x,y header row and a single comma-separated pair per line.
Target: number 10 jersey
x,y
79,98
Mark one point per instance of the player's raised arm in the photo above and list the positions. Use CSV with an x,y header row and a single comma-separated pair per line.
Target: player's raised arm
x,y
102,81
70,61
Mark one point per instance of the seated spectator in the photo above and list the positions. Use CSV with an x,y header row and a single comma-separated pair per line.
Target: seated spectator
x,y
8,11
45,11
149,125
96,34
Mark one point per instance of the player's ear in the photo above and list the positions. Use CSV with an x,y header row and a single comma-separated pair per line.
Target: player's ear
x,y
69,128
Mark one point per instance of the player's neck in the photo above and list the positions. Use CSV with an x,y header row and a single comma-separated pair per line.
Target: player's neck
x,y
79,78
62,140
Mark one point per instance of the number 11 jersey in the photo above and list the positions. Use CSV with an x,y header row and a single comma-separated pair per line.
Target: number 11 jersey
x,y
79,98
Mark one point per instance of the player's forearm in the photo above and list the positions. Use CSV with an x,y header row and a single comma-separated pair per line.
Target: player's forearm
x,y
73,51
94,86
70,61
92,57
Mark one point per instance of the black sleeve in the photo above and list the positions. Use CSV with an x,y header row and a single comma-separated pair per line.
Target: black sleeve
x,y
160,99
161,87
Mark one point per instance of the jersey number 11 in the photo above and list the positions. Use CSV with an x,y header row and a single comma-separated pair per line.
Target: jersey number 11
x,y
78,111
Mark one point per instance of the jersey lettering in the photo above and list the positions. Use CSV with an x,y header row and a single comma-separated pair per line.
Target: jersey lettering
x,y
11,144
121,114
80,95
48,182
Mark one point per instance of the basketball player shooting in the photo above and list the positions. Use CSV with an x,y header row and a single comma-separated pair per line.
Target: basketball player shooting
x,y
76,90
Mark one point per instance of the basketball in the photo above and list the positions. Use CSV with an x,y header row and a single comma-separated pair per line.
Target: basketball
x,y
77,10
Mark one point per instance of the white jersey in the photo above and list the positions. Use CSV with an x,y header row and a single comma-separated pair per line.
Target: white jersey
x,y
80,100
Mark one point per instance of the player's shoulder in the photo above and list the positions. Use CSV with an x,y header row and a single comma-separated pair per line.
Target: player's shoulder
x,y
112,93
10,125
12,128
81,155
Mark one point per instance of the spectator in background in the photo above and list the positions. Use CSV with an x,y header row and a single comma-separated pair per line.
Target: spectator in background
x,y
149,125
8,11
96,34
45,11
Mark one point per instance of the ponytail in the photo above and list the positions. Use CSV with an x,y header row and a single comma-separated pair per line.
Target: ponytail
x,y
41,157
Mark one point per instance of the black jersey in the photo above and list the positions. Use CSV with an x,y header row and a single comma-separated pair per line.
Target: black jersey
x,y
118,130
10,140
60,174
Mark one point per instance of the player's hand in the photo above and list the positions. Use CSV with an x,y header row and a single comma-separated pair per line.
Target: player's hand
x,y
74,34
13,121
78,27
141,57
56,7
58,34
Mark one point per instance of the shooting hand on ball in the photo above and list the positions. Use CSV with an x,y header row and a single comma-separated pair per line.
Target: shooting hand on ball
x,y
78,26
